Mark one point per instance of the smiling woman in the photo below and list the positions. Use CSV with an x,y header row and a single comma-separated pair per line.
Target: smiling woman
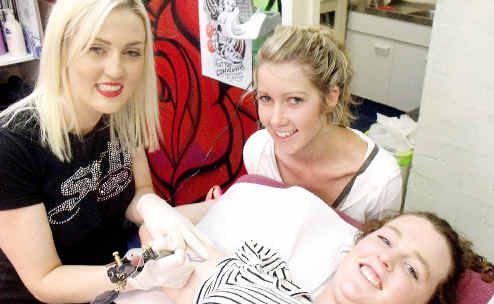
x,y
397,263
415,258
301,84
103,79
73,167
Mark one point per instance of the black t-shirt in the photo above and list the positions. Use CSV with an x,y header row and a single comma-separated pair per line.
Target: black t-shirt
x,y
85,199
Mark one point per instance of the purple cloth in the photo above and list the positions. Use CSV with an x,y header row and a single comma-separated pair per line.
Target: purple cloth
x,y
472,290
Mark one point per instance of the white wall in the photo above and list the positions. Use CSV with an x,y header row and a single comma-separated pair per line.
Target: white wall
x,y
300,12
453,168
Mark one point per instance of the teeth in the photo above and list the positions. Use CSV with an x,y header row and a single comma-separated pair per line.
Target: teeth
x,y
285,134
371,276
107,87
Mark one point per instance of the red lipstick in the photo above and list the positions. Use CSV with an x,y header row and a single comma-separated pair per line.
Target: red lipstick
x,y
109,89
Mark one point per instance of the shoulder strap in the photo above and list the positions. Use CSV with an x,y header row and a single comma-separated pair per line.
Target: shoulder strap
x,y
349,185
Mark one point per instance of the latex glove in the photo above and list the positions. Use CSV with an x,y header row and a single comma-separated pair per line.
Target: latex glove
x,y
161,219
171,271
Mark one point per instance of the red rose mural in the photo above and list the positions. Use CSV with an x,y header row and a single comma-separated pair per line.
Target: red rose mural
x,y
204,123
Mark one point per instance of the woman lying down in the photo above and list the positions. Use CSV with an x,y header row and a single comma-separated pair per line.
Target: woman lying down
x,y
302,252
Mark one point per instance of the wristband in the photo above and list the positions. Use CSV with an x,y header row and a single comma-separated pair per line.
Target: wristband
x,y
118,272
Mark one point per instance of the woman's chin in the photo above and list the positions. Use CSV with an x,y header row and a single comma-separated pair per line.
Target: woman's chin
x,y
351,291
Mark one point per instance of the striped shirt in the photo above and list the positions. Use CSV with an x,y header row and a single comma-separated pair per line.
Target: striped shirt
x,y
255,275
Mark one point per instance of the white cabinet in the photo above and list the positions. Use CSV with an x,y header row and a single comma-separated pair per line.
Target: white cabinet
x,y
388,58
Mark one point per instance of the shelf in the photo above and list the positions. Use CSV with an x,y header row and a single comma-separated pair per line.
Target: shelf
x,y
7,59
30,19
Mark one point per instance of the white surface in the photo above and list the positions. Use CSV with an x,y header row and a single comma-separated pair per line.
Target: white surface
x,y
388,58
491,301
371,71
407,76
306,232
390,28
7,59
308,12
154,296
452,172
296,12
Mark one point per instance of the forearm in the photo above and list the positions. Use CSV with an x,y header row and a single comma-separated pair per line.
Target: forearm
x,y
143,185
72,284
132,213
26,239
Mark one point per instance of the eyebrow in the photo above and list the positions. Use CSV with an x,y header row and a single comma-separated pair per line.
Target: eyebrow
x,y
415,253
133,43
285,94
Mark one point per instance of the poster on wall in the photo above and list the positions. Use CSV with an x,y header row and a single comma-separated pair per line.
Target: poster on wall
x,y
223,58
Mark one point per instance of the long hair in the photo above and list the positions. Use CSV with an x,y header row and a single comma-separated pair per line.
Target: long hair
x,y
322,58
72,27
462,255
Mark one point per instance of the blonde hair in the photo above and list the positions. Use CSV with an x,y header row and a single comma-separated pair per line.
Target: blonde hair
x,y
71,28
324,61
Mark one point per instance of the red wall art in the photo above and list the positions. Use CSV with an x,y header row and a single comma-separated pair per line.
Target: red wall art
x,y
204,122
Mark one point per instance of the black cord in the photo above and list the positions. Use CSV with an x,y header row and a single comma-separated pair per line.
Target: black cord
x,y
269,5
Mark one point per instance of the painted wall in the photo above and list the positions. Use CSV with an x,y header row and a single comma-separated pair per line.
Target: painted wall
x,y
204,123
452,171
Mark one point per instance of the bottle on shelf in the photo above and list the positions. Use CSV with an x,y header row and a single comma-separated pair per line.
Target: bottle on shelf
x,y
14,36
3,47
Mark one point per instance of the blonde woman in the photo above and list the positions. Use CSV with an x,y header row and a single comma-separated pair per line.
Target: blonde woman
x,y
301,86
72,164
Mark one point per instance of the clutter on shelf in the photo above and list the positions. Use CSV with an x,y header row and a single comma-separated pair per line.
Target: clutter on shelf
x,y
20,31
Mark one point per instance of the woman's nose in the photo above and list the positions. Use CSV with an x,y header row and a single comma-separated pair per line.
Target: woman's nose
x,y
278,115
114,66
387,261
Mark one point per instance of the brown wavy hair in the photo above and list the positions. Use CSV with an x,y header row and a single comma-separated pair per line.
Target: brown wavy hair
x,y
462,254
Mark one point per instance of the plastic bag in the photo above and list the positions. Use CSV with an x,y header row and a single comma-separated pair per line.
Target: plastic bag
x,y
394,134
397,135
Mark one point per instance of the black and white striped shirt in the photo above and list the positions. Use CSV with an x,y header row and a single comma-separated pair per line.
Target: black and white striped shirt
x,y
255,275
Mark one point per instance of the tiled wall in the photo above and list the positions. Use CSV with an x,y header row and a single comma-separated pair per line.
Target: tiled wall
x,y
453,170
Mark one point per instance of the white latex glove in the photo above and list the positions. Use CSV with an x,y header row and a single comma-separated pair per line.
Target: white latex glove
x,y
170,271
161,219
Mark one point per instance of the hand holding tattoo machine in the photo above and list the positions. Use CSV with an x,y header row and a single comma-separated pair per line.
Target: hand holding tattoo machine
x,y
148,267
145,268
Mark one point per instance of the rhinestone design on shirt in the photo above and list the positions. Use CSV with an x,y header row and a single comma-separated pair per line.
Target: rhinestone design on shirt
x,y
89,178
